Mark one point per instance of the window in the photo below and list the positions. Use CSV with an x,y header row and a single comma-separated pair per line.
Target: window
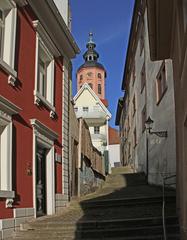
x,y
2,23
85,109
99,75
128,124
133,73
75,109
89,74
143,78
99,89
45,78
129,150
135,138
7,32
142,39
96,130
161,85
81,77
46,51
5,143
133,106
91,85
143,118
7,110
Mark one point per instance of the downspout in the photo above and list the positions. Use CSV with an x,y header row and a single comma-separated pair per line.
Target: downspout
x,y
79,156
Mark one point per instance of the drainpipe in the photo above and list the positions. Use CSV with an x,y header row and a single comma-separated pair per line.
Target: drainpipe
x,y
79,157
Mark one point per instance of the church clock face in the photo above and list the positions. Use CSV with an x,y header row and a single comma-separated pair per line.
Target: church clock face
x,y
89,74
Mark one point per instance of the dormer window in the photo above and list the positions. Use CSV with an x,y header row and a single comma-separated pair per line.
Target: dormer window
x,y
99,88
99,75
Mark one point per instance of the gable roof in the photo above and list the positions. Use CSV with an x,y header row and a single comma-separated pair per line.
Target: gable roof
x,y
104,101
87,87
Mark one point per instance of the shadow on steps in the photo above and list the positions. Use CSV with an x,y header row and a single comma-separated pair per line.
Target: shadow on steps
x,y
127,208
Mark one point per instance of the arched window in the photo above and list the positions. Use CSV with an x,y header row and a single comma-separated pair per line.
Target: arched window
x,y
99,88
99,75
81,77
91,85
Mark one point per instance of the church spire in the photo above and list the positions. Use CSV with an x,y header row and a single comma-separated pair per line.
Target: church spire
x,y
91,55
90,37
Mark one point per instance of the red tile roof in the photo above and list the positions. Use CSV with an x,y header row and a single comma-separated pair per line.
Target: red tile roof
x,y
105,102
113,136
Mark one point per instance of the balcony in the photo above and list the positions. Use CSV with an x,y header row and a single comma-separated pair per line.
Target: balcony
x,y
99,136
92,115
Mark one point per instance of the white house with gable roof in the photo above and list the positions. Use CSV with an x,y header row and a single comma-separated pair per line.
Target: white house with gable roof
x,y
89,106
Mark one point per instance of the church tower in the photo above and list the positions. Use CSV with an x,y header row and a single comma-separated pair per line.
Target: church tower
x,y
92,72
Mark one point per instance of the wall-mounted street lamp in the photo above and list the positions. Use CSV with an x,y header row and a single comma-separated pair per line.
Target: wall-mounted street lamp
x,y
149,126
162,134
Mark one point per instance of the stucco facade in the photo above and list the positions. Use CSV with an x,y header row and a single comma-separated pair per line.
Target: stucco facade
x,y
31,107
89,106
149,92
171,42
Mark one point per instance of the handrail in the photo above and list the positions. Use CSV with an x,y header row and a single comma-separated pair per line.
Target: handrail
x,y
164,179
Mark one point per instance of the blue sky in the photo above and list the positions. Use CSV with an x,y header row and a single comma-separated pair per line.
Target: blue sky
x,y
110,23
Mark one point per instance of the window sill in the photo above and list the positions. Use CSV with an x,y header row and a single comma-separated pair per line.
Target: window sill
x,y
39,98
8,69
7,194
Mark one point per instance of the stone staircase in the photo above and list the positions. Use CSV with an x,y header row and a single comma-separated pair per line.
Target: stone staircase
x,y
126,207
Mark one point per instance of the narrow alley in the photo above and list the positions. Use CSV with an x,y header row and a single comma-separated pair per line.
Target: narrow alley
x,y
93,120
126,207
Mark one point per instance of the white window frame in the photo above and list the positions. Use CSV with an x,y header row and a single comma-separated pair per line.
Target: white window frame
x,y
85,109
7,53
7,109
96,129
44,42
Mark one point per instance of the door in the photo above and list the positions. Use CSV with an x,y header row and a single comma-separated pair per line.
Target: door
x,y
40,182
74,170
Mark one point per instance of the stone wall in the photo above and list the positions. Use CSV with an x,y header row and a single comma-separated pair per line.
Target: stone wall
x,y
89,179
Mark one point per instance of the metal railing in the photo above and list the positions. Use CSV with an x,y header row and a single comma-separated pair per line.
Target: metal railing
x,y
165,184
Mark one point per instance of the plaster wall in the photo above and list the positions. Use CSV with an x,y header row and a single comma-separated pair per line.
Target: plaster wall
x,y
161,151
114,154
63,7
93,78
85,100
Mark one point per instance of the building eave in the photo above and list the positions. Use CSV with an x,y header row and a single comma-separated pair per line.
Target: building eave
x,y
160,21
119,110
129,53
54,26
86,86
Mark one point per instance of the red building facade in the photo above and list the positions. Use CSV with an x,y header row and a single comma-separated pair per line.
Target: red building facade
x,y
31,100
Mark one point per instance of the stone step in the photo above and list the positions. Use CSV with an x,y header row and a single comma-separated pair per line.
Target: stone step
x,y
125,201
158,237
104,233
137,222
126,179
130,232
118,170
